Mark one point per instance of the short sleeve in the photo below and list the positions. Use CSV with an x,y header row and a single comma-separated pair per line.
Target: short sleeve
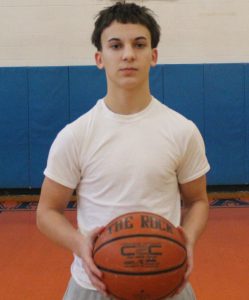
x,y
193,163
62,163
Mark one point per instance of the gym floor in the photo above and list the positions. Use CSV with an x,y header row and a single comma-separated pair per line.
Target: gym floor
x,y
33,268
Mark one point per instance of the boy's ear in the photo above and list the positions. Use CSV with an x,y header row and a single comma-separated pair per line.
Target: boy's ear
x,y
154,57
98,60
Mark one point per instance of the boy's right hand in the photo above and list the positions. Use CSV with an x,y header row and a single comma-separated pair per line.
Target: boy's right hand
x,y
94,274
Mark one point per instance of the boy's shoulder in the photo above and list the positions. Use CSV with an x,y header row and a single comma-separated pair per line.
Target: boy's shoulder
x,y
78,128
171,116
86,117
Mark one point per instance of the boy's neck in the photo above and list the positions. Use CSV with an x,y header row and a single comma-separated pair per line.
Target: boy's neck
x,y
126,102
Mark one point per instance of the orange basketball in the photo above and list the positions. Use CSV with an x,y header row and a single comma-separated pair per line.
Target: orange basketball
x,y
142,256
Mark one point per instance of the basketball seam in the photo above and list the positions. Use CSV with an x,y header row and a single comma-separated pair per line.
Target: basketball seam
x,y
143,273
135,236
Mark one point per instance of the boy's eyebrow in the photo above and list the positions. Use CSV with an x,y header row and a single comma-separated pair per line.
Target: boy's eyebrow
x,y
113,39
141,38
118,39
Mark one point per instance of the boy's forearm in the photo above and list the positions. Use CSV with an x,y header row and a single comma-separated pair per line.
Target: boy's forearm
x,y
57,228
195,220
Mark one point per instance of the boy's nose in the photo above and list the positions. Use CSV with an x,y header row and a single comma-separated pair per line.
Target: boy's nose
x,y
128,54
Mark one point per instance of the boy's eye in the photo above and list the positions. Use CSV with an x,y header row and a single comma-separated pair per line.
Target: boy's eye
x,y
140,45
116,46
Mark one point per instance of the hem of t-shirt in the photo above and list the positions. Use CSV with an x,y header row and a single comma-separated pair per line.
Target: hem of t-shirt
x,y
197,175
58,180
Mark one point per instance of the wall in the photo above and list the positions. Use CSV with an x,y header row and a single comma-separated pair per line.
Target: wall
x,y
57,32
47,78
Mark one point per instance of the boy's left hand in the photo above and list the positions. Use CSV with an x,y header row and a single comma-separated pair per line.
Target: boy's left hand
x,y
189,269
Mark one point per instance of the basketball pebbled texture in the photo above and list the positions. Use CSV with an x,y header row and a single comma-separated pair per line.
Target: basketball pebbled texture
x,y
142,256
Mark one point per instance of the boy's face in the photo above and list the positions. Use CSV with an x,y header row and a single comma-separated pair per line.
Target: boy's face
x,y
126,55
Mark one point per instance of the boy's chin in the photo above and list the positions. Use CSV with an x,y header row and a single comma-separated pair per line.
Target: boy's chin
x,y
129,83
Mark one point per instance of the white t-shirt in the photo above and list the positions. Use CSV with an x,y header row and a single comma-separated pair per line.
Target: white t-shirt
x,y
123,163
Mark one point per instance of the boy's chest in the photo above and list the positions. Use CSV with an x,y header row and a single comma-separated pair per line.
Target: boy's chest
x,y
130,154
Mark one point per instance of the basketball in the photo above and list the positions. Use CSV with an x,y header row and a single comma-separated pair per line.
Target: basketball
x,y
142,256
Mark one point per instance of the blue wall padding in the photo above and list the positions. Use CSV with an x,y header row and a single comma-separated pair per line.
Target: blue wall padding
x,y
183,91
36,102
156,82
48,113
14,136
225,127
87,85
246,119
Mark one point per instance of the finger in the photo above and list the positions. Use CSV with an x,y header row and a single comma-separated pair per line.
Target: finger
x,y
185,279
187,274
89,250
93,268
96,232
182,232
190,263
98,284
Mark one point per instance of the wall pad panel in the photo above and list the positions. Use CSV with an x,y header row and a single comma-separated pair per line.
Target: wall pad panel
x,y
48,111
87,85
36,102
225,128
14,121
183,91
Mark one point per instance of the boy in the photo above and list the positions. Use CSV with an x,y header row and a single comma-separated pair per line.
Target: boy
x,y
128,153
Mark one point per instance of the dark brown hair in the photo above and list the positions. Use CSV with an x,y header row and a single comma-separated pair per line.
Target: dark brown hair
x,y
125,13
